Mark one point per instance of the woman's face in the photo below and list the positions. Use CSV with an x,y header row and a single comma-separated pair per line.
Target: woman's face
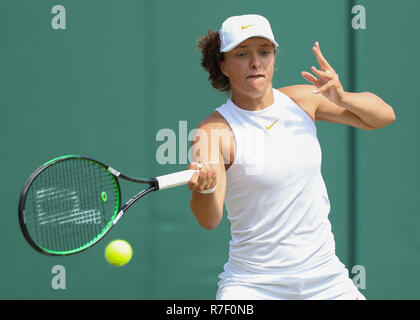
x,y
250,66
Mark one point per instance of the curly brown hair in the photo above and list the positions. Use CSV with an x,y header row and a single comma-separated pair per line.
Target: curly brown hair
x,y
209,45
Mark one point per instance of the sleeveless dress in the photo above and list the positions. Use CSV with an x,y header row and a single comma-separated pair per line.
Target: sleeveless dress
x,y
282,245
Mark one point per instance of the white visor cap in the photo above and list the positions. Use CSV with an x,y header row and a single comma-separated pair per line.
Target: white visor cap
x,y
236,29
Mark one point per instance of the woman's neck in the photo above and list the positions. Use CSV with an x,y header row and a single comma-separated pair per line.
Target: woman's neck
x,y
253,103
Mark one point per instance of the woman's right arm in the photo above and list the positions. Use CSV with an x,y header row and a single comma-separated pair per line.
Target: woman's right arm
x,y
207,149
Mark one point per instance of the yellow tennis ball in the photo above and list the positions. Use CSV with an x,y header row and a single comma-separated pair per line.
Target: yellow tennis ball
x,y
118,252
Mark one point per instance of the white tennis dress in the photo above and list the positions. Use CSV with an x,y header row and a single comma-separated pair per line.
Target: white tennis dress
x,y
282,246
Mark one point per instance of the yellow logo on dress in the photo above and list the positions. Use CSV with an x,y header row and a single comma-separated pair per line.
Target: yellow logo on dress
x,y
269,127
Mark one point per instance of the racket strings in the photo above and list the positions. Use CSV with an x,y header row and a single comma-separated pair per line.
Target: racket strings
x,y
70,204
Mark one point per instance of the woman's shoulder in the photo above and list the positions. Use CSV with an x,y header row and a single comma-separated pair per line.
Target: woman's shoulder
x,y
216,127
303,96
298,91
215,120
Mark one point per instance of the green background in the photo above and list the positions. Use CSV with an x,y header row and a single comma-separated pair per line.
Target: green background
x,y
123,70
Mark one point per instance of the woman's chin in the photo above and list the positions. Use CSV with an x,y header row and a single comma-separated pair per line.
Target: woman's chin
x,y
257,87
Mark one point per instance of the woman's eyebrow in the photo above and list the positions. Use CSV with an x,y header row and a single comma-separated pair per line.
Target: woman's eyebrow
x,y
261,45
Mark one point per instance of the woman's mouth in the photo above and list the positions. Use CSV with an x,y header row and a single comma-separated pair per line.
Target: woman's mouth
x,y
255,76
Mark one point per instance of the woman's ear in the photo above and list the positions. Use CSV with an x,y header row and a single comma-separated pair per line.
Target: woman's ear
x,y
222,68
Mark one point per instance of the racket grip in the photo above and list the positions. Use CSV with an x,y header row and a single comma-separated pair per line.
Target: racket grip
x,y
175,179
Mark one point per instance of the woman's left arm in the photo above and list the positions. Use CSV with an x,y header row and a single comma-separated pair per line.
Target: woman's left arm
x,y
370,108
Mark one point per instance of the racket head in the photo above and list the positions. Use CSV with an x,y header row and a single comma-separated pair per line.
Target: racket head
x,y
68,204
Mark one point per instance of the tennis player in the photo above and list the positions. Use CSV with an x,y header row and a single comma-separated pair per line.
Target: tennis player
x,y
281,243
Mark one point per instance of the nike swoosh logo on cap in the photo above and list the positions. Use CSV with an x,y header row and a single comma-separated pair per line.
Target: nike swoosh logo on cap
x,y
244,27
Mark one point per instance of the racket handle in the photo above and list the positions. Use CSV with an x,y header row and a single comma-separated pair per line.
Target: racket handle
x,y
175,179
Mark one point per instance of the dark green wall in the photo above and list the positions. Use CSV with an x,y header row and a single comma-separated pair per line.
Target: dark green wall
x,y
388,220
123,70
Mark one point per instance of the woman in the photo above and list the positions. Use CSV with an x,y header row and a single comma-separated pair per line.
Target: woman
x,y
260,156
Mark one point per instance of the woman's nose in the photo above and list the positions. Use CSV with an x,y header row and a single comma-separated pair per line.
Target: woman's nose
x,y
255,61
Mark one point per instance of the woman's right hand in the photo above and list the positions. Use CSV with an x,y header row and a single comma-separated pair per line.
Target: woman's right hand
x,y
205,179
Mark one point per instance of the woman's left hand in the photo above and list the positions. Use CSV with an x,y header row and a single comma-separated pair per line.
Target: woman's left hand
x,y
328,83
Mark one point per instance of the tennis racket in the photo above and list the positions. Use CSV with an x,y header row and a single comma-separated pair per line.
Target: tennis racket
x,y
71,202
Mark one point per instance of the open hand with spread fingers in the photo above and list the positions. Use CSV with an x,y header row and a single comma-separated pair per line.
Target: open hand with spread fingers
x,y
328,83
